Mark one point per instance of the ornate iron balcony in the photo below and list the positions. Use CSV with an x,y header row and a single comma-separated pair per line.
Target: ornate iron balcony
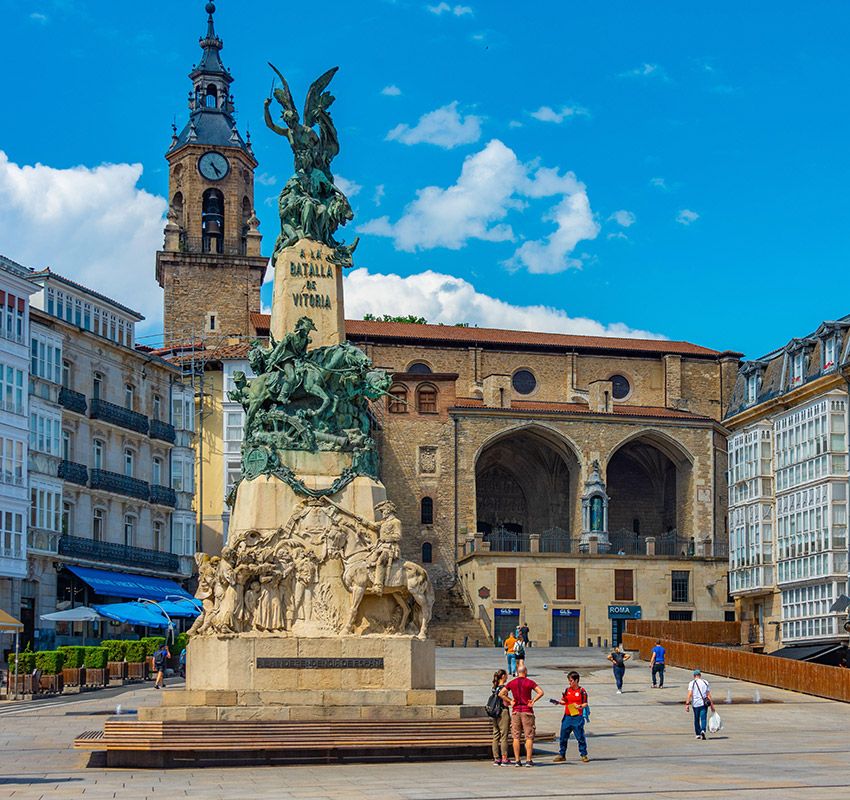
x,y
73,401
163,495
162,430
118,415
120,484
73,473
112,553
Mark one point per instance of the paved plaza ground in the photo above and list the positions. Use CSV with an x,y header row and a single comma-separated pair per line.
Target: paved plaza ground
x,y
641,745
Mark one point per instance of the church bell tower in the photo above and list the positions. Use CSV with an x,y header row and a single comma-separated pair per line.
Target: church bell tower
x,y
210,267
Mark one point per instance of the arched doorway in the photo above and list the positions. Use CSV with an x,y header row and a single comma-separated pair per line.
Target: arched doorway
x,y
648,480
524,484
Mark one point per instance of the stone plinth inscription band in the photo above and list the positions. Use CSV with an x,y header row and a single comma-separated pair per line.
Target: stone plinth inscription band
x,y
320,663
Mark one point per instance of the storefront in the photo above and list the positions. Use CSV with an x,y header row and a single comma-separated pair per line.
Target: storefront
x,y
618,616
565,627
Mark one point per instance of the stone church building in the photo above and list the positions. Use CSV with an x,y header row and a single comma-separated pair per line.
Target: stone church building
x,y
568,481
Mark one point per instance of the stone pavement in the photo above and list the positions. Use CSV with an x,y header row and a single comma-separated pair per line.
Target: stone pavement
x,y
641,746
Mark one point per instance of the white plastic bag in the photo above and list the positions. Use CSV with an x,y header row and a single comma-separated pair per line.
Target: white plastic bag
x,y
715,724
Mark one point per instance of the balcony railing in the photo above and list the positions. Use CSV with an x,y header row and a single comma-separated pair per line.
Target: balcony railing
x,y
73,401
111,553
43,541
119,484
162,430
118,415
73,472
163,495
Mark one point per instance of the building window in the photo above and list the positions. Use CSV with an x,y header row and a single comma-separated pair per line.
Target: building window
x,y
680,586
67,450
505,583
129,395
752,388
158,543
12,310
156,471
426,400
12,461
681,616
66,374
426,511
829,352
419,368
212,221
129,458
183,412
624,584
45,433
398,399
67,519
620,387
45,507
182,476
129,530
97,386
11,389
524,381
97,454
565,583
427,553
97,525
233,424
46,359
157,407
11,534
798,363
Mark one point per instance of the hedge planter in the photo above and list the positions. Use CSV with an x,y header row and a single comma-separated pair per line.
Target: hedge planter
x,y
73,679
117,672
22,685
51,684
137,672
95,678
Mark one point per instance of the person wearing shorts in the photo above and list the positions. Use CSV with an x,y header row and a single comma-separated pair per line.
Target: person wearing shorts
x,y
520,695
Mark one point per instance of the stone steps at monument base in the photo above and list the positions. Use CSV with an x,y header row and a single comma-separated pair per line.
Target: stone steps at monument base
x,y
443,633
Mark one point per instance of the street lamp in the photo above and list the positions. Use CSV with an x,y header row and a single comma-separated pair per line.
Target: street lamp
x,y
164,614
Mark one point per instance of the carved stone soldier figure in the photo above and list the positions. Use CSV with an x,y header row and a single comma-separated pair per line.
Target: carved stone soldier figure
x,y
386,550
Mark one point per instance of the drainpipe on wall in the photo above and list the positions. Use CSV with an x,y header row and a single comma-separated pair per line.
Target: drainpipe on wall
x,y
454,555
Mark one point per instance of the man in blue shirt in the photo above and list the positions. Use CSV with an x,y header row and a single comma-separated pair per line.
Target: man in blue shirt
x,y
656,661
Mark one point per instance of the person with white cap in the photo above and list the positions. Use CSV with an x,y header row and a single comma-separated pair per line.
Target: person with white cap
x,y
699,698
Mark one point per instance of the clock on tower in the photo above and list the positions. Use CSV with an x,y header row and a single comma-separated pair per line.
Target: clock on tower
x,y
210,267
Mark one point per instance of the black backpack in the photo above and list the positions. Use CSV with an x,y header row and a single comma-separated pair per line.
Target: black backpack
x,y
494,705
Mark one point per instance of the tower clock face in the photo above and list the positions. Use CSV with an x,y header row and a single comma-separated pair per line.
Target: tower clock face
x,y
213,166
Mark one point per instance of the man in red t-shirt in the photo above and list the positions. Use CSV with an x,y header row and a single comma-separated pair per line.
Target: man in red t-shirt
x,y
520,695
574,701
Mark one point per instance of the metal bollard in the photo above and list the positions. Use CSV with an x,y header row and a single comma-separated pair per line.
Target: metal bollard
x,y
476,642
465,640
599,641
453,643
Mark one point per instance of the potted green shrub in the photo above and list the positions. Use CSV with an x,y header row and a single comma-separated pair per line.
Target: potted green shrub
x,y
73,668
95,661
136,655
49,664
23,677
116,651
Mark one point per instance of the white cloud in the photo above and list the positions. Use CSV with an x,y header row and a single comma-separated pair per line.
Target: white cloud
x,y
686,216
444,127
347,187
379,194
659,183
623,218
37,16
92,224
445,8
548,114
391,91
618,235
265,179
515,123
492,183
447,299
646,71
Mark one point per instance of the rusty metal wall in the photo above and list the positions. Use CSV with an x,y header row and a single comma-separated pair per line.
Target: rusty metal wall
x,y
783,673
696,632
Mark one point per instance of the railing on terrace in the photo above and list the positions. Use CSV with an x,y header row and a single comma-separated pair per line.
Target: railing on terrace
x,y
162,430
119,484
73,472
72,401
118,415
163,495
112,553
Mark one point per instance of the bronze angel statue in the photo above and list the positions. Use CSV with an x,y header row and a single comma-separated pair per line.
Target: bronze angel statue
x,y
310,205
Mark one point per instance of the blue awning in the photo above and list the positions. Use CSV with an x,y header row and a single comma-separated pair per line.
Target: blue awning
x,y
133,614
181,608
121,584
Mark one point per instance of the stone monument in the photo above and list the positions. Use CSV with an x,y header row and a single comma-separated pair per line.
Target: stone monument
x,y
310,612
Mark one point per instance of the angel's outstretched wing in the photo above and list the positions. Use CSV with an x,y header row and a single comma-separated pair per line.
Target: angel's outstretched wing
x,y
314,102
283,95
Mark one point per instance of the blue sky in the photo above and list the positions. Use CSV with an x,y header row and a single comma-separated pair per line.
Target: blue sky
x,y
657,167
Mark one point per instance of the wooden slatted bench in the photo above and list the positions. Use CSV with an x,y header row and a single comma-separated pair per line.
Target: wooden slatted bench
x,y
169,743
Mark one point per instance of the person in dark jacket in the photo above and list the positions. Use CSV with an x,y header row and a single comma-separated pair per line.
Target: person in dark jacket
x,y
160,660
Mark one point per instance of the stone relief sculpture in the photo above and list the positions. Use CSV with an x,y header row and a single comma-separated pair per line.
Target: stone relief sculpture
x,y
266,581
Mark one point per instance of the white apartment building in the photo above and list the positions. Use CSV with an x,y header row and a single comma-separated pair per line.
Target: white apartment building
x,y
15,291
788,490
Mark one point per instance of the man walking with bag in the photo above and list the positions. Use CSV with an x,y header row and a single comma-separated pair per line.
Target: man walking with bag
x,y
699,698
574,701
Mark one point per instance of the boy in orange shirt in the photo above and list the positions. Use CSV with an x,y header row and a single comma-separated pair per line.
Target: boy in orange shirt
x,y
509,652
574,701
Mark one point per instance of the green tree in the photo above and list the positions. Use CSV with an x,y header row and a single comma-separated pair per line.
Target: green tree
x,y
408,318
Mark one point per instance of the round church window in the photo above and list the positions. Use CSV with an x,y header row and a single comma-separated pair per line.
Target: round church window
x,y
620,387
524,381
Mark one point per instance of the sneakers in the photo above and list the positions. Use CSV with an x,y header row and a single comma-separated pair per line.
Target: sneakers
x,y
559,759
496,762
529,763
698,736
519,763
585,759
619,691
505,763
702,736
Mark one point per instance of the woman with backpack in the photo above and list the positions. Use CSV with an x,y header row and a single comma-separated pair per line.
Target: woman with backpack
x,y
519,651
501,719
